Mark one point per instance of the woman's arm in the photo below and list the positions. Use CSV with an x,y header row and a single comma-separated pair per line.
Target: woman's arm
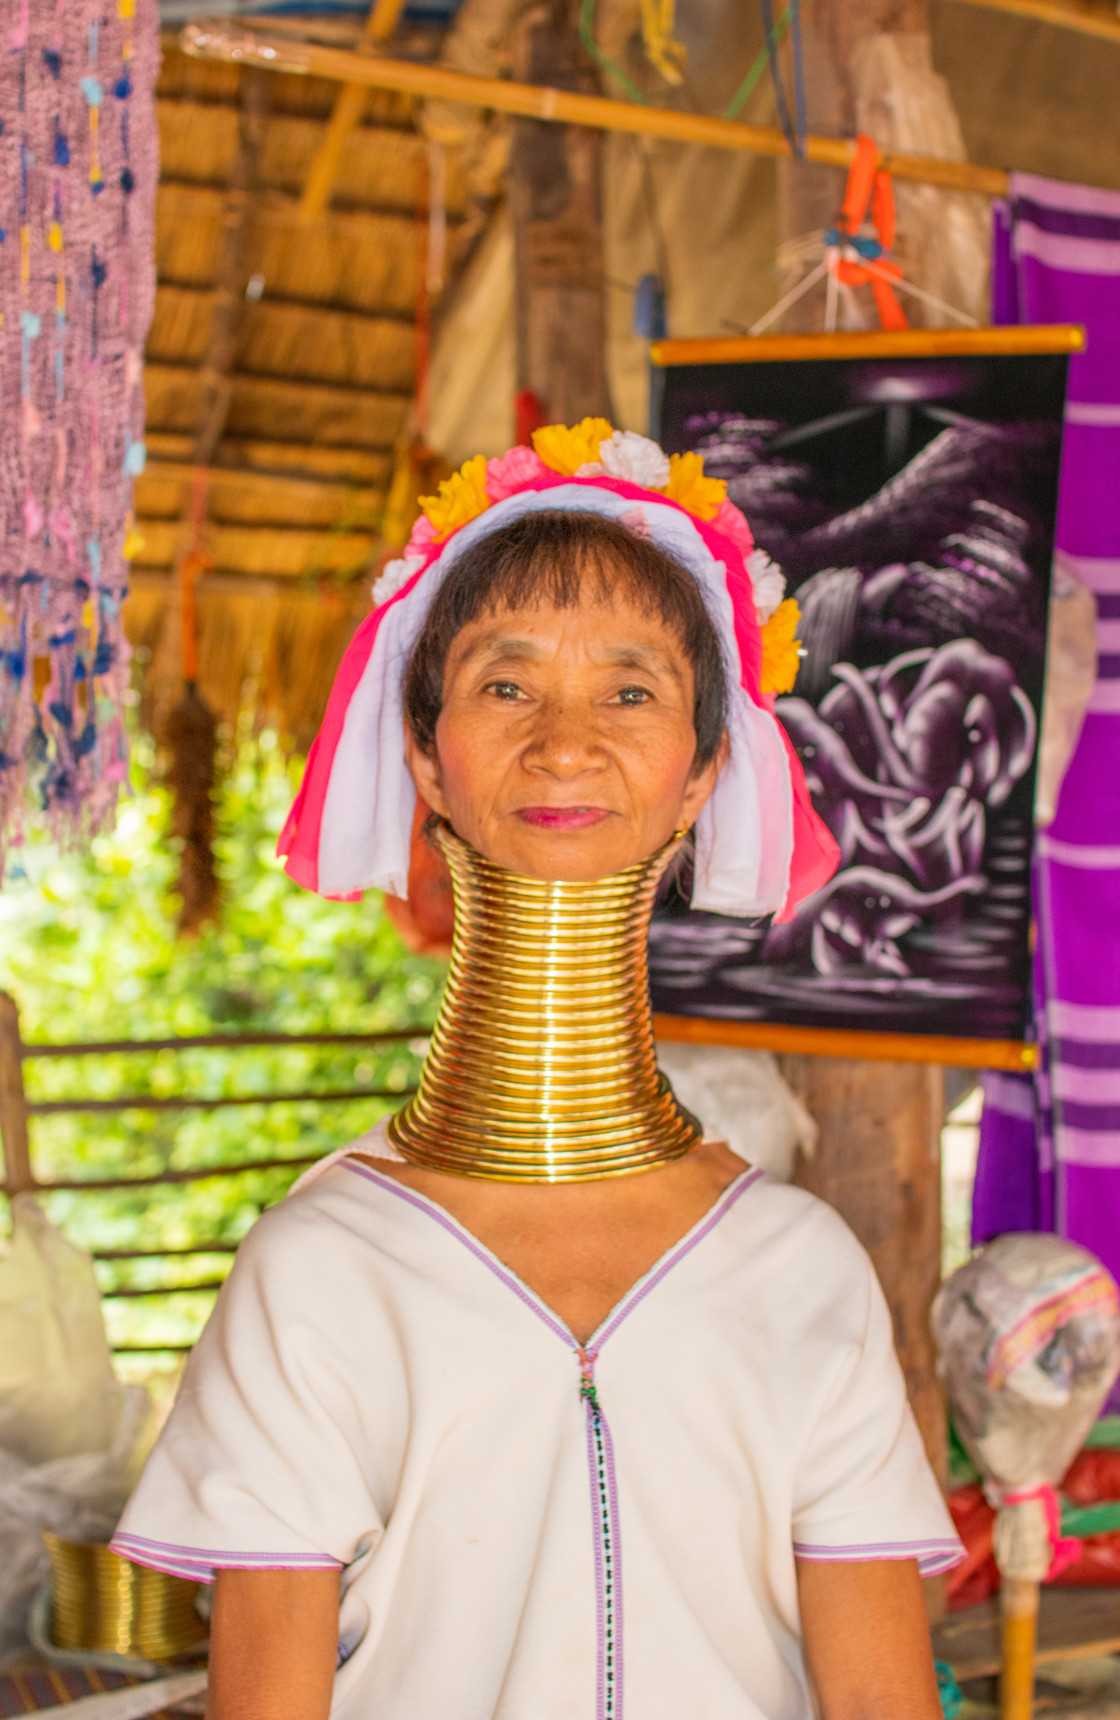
x,y
867,1640
273,1645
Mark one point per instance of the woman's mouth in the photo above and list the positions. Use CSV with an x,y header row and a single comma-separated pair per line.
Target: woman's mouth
x,y
562,817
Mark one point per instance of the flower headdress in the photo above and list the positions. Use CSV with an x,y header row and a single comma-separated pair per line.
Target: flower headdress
x,y
760,846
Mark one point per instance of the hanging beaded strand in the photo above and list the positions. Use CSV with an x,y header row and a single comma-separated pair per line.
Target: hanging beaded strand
x,y
77,184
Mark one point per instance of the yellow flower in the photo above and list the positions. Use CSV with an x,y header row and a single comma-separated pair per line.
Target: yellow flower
x,y
567,450
687,485
781,655
461,497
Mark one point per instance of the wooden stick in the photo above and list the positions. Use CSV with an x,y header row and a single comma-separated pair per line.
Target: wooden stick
x,y
1018,1605
872,343
216,41
13,1102
1079,15
844,1042
348,110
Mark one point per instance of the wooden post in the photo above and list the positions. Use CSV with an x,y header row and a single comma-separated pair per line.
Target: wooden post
x,y
13,1102
555,196
878,1160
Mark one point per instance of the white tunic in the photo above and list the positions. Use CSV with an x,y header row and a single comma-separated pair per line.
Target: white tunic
x,y
529,1530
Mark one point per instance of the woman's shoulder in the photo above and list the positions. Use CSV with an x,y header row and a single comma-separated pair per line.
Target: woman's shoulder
x,y
331,1211
788,1234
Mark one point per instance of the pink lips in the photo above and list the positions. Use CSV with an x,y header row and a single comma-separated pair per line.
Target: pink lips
x,y
562,817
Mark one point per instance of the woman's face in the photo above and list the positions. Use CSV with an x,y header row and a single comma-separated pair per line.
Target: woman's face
x,y
565,745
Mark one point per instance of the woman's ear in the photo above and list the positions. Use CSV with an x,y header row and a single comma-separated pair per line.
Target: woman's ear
x,y
423,767
702,782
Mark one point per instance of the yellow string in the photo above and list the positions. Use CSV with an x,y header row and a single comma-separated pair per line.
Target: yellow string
x,y
662,50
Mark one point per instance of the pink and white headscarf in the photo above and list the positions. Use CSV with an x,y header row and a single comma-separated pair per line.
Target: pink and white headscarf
x,y
760,847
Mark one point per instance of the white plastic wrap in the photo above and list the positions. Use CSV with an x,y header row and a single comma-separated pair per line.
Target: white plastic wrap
x,y
741,1096
69,1430
1028,1336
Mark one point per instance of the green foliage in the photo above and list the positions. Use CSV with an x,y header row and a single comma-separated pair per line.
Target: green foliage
x,y
88,949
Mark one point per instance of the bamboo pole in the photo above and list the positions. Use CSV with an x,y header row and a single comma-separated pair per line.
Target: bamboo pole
x,y
1018,1630
1080,15
348,110
216,41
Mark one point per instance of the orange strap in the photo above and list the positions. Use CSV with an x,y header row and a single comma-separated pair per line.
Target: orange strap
x,y
869,188
861,181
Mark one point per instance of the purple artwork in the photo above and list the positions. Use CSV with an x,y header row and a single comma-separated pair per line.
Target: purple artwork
x,y
910,503
78,174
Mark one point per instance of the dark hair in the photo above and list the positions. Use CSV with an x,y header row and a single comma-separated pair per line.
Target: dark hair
x,y
554,557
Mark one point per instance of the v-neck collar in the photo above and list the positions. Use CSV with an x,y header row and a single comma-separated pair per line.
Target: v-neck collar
x,y
625,1306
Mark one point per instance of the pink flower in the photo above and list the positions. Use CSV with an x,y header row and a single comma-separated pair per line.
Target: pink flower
x,y
423,534
513,472
728,520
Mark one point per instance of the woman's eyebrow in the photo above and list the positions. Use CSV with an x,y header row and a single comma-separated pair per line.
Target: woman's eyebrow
x,y
503,646
641,657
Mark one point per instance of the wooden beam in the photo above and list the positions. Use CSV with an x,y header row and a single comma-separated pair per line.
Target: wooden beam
x,y
295,489
358,320
292,552
348,392
1079,15
348,109
217,41
337,464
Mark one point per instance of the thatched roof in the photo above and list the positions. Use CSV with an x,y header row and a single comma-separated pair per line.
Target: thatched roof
x,y
321,381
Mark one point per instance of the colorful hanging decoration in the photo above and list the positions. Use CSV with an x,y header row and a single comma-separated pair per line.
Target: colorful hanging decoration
x,y
78,168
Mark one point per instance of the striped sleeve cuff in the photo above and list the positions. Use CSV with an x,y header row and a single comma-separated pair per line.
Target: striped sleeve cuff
x,y
933,1556
198,1564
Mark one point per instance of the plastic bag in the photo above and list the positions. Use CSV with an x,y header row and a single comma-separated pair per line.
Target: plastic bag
x,y
1028,1337
69,1430
741,1096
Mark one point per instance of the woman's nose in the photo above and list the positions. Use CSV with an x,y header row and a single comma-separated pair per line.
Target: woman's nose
x,y
564,741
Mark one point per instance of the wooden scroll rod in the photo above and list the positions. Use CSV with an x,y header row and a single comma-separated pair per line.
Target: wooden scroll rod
x,y
215,40
844,1042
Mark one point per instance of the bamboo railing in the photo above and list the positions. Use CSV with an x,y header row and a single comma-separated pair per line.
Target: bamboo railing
x,y
17,1112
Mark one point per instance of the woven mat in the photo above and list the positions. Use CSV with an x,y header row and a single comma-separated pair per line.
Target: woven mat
x,y
34,1687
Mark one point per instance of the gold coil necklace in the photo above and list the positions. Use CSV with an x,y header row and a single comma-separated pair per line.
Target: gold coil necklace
x,y
542,1065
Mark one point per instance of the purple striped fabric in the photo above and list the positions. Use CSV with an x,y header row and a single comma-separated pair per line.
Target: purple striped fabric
x,y
1050,1149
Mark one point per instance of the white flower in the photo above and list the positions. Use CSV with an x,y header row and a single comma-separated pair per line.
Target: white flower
x,y
636,459
393,575
768,583
590,469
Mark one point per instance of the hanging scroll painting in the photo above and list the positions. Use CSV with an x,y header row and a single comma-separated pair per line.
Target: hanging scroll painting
x,y
78,169
907,486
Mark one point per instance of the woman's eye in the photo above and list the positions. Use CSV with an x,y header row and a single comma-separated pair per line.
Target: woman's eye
x,y
507,691
633,696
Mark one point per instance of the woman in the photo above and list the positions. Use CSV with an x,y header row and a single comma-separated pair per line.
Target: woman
x,y
535,1404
